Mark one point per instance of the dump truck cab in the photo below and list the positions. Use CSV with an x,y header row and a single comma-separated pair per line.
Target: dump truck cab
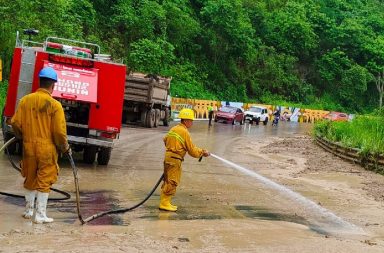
x,y
90,89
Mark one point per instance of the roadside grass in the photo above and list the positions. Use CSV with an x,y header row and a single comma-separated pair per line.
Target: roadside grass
x,y
364,132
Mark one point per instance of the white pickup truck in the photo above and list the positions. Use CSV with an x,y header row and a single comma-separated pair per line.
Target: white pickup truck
x,y
257,114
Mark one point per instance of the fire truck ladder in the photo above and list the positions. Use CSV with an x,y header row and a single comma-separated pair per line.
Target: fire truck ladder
x,y
28,59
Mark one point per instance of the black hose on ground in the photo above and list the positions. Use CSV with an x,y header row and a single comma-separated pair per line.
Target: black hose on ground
x,y
9,142
114,211
67,195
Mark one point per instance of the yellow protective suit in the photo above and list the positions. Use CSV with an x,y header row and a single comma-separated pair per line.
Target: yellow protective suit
x,y
177,143
39,120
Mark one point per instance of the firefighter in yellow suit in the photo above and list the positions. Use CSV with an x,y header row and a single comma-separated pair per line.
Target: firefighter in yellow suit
x,y
177,143
39,120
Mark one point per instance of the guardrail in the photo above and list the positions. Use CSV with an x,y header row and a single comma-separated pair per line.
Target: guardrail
x,y
200,107
371,162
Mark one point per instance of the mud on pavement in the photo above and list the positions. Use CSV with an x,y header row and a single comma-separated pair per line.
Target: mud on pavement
x,y
220,209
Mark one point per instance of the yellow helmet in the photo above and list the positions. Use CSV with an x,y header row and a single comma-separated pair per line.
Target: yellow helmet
x,y
186,113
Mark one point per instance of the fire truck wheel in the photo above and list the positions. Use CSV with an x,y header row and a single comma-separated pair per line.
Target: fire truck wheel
x,y
89,154
103,156
166,117
157,117
151,117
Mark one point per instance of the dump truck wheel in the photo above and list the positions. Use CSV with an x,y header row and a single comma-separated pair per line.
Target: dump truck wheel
x,y
166,117
157,117
143,118
89,154
151,117
103,156
124,117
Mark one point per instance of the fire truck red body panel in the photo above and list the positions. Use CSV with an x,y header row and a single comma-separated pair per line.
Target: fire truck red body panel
x,y
10,103
106,108
90,90
107,112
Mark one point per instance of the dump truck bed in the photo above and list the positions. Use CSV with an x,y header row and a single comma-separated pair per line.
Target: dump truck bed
x,y
148,89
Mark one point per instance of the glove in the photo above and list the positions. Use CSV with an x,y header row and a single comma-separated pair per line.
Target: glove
x,y
206,153
68,152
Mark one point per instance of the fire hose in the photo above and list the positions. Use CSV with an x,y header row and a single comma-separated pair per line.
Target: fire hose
x,y
113,211
67,195
4,147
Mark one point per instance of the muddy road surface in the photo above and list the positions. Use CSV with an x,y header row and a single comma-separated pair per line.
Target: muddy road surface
x,y
314,201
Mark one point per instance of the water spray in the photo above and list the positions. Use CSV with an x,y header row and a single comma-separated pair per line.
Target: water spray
x,y
293,196
267,182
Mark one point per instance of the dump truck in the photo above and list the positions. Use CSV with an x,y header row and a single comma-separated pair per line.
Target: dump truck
x,y
90,89
146,99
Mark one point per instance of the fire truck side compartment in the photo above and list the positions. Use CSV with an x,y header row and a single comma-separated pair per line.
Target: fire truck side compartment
x,y
106,114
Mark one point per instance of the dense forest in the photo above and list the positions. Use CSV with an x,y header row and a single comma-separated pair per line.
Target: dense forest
x,y
328,53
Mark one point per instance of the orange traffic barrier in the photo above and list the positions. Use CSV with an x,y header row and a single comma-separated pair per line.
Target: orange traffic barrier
x,y
200,107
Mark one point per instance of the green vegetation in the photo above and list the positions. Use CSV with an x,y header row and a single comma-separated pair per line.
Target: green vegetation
x,y
3,93
364,132
326,54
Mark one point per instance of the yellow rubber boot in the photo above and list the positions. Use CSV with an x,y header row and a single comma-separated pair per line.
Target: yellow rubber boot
x,y
165,203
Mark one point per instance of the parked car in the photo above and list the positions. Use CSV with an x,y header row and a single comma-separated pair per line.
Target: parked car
x,y
257,114
230,114
336,116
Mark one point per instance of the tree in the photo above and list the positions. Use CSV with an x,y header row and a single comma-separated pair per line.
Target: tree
x,y
84,15
297,50
151,56
290,32
183,30
375,64
343,78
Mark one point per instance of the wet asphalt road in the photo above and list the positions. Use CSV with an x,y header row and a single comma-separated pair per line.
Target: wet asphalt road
x,y
233,210
135,167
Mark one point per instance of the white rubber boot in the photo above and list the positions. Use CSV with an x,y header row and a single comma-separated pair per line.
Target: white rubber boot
x,y
41,208
29,204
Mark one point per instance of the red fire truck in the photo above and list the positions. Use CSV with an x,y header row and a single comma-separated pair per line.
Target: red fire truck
x,y
90,88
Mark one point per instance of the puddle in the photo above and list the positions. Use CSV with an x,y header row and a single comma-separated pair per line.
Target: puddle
x,y
92,203
254,212
14,201
180,215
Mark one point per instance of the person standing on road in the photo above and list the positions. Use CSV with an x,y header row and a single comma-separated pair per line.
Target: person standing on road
x,y
210,113
177,143
276,117
39,120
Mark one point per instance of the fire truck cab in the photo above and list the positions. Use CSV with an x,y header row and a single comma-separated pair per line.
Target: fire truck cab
x,y
90,88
